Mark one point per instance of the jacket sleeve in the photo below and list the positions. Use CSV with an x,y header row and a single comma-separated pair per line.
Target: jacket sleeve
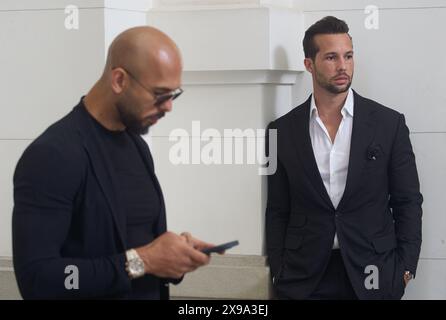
x,y
46,182
405,197
277,210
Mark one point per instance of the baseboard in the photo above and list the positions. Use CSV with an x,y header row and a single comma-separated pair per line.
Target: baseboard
x,y
226,277
8,284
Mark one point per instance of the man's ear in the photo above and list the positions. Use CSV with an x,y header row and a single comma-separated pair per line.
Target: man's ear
x,y
308,65
118,80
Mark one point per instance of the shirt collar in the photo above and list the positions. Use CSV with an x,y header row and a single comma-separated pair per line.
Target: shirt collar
x,y
346,109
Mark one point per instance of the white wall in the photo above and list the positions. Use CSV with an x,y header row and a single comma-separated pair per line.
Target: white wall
x,y
239,63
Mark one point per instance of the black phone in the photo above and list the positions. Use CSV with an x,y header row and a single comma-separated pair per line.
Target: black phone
x,y
221,247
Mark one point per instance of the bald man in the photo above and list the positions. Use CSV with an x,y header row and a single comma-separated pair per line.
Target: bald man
x,y
89,217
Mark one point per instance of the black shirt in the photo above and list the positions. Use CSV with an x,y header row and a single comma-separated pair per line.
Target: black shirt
x,y
137,197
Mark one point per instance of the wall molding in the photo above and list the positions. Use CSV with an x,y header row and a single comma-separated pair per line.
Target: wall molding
x,y
8,284
226,277
42,5
230,77
166,5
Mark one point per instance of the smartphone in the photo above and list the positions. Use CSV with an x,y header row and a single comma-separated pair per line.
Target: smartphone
x,y
221,247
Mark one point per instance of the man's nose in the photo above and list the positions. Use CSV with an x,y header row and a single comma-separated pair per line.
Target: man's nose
x,y
342,65
167,106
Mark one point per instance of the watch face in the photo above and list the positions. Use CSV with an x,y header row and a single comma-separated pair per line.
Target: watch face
x,y
136,267
408,276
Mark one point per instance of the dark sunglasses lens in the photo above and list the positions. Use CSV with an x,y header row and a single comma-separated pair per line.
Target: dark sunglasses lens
x,y
163,99
167,97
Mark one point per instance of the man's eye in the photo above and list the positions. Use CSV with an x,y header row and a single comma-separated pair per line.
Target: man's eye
x,y
330,58
350,57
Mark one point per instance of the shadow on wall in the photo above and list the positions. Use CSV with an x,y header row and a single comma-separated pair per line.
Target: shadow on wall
x,y
280,59
271,112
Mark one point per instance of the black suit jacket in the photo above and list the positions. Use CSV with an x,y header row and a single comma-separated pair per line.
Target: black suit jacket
x,y
66,213
378,220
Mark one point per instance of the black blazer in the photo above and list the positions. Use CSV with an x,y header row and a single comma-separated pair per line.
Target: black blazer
x,y
65,213
378,220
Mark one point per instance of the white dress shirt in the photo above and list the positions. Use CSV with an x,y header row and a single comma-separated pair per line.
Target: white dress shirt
x,y
332,158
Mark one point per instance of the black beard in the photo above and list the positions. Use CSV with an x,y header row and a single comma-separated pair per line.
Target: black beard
x,y
330,87
336,90
131,122
139,130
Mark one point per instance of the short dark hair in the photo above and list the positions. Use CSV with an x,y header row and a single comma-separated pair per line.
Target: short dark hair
x,y
327,25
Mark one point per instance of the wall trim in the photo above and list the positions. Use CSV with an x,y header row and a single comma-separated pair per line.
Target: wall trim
x,y
44,5
226,277
230,77
8,284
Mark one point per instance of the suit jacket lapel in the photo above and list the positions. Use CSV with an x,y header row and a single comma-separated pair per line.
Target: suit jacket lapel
x,y
363,132
301,136
103,169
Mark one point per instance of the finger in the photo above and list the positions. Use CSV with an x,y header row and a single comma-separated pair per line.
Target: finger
x,y
199,258
190,257
200,245
188,266
188,237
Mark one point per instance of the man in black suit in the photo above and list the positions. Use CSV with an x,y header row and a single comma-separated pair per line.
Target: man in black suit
x,y
89,217
343,218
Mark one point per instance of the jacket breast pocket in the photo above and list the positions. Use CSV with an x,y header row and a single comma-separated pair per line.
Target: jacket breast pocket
x,y
384,243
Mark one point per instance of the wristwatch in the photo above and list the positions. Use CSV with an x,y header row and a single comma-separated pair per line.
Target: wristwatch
x,y
408,276
134,265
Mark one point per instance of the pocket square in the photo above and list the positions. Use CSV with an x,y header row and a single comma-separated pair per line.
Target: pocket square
x,y
374,152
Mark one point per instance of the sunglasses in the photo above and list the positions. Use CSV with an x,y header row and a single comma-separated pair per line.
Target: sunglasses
x,y
159,99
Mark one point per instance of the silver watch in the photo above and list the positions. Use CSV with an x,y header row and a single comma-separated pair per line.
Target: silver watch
x,y
408,275
134,265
